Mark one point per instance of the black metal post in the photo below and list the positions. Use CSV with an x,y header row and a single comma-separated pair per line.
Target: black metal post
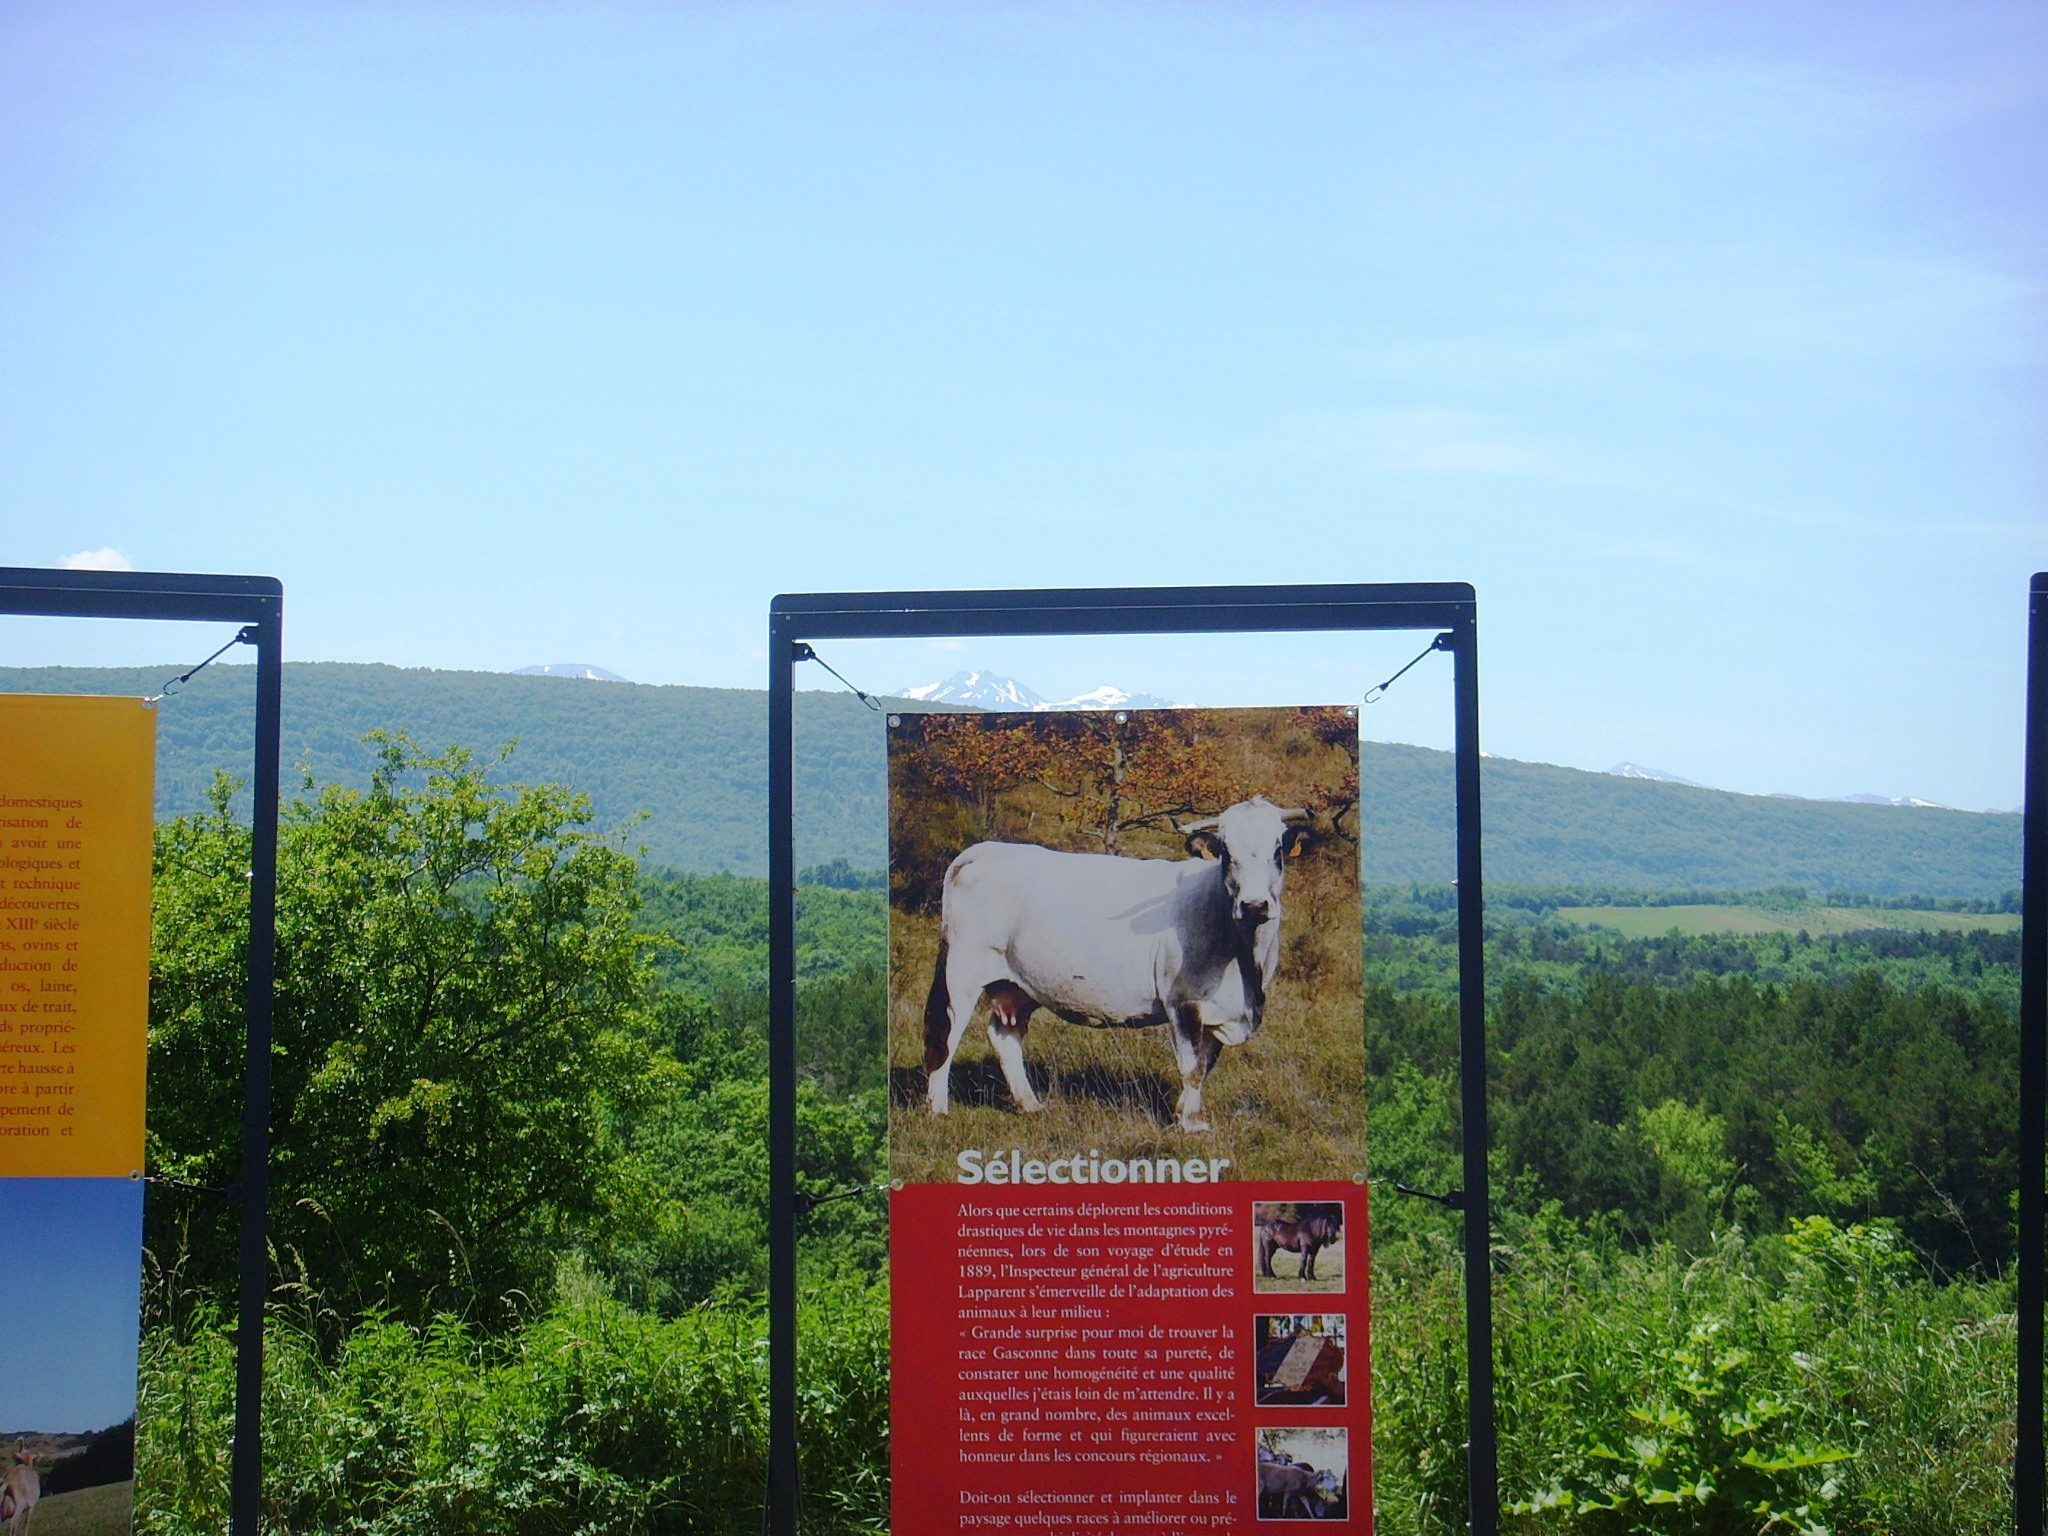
x,y
1481,1454
257,603
246,1492
2028,1456
782,1511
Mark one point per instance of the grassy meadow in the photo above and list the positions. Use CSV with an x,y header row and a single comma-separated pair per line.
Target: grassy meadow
x,y
1651,922
107,1510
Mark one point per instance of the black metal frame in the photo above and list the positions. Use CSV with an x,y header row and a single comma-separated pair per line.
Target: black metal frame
x,y
2028,1455
794,620
257,603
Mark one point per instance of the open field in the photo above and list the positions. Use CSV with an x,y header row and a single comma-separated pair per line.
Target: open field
x,y
1648,922
103,1511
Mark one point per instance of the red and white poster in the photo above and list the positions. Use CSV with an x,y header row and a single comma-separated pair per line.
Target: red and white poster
x,y
1128,1248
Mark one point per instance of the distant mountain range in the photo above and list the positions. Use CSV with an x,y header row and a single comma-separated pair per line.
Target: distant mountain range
x,y
682,772
582,669
985,690
1638,771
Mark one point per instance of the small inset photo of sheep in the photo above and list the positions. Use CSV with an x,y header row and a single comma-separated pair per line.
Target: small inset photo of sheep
x,y
1300,1360
1304,1474
1297,1245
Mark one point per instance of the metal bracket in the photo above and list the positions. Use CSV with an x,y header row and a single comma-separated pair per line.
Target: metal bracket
x,y
804,1202
1454,1199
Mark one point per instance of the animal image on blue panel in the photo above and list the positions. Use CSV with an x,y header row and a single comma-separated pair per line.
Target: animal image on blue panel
x,y
67,1405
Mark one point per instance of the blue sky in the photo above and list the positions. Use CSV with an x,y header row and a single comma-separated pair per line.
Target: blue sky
x,y
72,1288
1706,341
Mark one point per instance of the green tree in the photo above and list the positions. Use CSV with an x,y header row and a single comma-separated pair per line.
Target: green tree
x,y
460,1022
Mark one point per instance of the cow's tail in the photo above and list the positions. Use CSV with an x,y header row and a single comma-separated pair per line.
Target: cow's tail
x,y
938,1016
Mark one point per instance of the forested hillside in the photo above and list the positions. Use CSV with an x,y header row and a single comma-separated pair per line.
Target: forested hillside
x,y
694,761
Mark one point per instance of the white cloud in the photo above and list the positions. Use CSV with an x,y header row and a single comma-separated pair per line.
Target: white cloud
x,y
106,558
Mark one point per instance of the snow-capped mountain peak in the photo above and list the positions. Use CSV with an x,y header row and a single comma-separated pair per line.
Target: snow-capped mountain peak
x,y
986,690
983,689
581,669
1638,771
1109,696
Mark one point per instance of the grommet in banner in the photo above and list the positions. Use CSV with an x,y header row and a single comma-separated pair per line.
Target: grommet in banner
x,y
895,720
895,1183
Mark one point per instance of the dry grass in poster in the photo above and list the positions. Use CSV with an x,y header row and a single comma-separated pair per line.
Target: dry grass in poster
x,y
1288,1102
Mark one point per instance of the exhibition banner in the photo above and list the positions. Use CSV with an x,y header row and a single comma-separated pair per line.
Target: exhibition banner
x,y
1127,1122
77,789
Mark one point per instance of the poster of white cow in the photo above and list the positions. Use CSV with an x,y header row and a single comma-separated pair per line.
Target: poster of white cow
x,y
1126,945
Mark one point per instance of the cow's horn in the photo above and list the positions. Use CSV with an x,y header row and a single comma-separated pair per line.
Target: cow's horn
x,y
1299,813
1205,824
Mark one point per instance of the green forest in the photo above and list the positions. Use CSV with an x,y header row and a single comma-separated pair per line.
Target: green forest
x,y
692,786
1753,1233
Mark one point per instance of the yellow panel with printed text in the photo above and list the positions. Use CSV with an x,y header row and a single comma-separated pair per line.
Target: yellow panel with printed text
x,y
77,802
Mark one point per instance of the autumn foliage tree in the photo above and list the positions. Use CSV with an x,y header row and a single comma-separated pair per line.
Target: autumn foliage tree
x,y
1108,782
980,759
1142,769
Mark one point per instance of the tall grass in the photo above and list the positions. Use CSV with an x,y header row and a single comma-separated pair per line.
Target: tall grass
x,y
591,1418
1814,1380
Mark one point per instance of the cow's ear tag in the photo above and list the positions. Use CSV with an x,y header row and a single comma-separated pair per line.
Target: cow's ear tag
x,y
1206,852
1295,851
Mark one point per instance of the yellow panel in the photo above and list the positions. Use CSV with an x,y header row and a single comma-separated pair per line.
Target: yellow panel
x,y
77,791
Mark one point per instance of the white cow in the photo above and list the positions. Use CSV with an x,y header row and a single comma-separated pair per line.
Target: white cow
x,y
1099,939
